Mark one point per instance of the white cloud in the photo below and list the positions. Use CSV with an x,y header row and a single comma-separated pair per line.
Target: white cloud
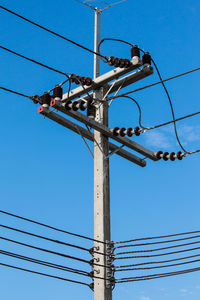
x,y
157,139
145,298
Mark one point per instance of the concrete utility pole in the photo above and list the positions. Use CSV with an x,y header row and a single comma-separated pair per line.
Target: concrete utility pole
x,y
101,180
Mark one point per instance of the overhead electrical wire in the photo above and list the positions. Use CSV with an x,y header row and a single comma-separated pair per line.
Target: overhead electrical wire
x,y
155,262
157,267
158,249
159,242
157,255
156,237
49,264
44,274
155,83
45,250
50,227
155,276
45,263
165,89
34,61
52,252
16,93
50,239
52,32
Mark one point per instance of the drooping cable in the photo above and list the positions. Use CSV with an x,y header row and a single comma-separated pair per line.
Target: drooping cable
x,y
44,274
158,249
16,93
50,227
44,263
144,263
50,239
157,267
52,32
157,237
52,252
155,83
157,255
49,264
34,61
159,242
155,276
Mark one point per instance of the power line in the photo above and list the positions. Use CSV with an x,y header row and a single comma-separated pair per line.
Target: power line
x,y
43,274
157,237
44,263
156,83
156,255
160,242
34,61
158,267
158,249
50,239
53,252
45,250
16,93
155,276
156,262
49,264
52,32
45,238
50,227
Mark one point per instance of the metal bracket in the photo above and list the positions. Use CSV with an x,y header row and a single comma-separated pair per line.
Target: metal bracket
x,y
110,279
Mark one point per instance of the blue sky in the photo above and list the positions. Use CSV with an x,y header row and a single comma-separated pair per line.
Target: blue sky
x,y
46,170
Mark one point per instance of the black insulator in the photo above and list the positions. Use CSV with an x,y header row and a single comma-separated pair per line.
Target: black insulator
x,y
67,105
172,156
146,58
129,132
115,131
36,99
78,79
159,154
165,156
46,98
122,132
117,62
82,105
179,155
127,63
83,80
72,77
111,60
88,81
57,92
75,105
122,63
135,51
137,131
91,111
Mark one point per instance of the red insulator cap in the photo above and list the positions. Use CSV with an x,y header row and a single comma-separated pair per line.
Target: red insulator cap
x,y
165,156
